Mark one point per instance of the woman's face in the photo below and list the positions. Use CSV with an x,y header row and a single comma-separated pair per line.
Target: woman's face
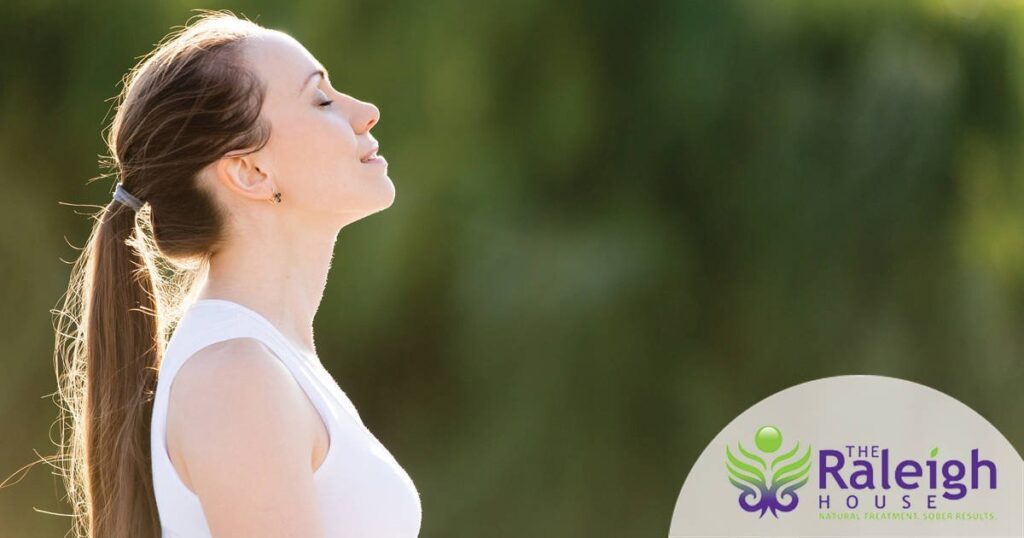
x,y
319,138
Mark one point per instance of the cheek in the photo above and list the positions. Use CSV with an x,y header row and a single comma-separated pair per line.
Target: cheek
x,y
319,146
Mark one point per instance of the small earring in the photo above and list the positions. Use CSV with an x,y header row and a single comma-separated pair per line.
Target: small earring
x,y
277,197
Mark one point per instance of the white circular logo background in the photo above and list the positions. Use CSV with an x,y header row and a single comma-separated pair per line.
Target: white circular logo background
x,y
855,456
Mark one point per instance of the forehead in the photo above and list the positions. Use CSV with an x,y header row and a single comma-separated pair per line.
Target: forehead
x,y
282,62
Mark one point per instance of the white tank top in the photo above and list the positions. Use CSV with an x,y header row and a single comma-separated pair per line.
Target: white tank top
x,y
362,492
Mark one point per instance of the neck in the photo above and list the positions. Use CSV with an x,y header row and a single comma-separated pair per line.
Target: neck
x,y
279,275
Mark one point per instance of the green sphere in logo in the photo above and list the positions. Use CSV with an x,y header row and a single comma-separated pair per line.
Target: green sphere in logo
x,y
768,439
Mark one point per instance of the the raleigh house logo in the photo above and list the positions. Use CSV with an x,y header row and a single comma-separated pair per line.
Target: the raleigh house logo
x,y
768,483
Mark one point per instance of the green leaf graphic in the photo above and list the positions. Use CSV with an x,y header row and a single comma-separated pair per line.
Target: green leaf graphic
x,y
793,471
786,456
752,457
743,471
935,452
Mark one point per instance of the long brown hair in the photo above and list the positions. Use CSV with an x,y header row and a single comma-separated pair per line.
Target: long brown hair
x,y
182,106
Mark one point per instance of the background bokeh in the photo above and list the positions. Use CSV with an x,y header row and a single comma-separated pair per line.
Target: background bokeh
x,y
617,226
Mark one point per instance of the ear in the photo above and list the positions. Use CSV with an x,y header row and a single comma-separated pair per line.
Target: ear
x,y
242,175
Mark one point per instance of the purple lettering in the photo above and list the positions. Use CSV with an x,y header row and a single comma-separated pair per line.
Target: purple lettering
x,y
976,465
827,469
863,477
901,473
952,480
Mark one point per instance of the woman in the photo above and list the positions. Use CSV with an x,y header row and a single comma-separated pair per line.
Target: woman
x,y
239,164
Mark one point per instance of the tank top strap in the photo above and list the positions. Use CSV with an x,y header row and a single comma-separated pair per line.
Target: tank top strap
x,y
209,321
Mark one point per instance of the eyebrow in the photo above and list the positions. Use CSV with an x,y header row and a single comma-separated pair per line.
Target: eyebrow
x,y
310,77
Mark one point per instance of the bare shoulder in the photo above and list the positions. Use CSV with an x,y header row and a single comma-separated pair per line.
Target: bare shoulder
x,y
239,367
242,426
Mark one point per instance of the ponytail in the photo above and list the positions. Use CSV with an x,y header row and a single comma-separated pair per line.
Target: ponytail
x,y
109,327
122,348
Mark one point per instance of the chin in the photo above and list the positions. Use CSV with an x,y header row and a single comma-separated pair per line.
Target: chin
x,y
388,195
381,201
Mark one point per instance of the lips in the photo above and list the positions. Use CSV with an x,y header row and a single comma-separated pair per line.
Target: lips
x,y
369,155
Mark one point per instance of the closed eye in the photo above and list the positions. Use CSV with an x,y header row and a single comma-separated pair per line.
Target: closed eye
x,y
326,103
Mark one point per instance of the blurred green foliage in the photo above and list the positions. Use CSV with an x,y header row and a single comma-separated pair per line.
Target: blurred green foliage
x,y
617,226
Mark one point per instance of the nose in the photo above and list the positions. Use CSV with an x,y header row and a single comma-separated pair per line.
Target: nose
x,y
369,117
